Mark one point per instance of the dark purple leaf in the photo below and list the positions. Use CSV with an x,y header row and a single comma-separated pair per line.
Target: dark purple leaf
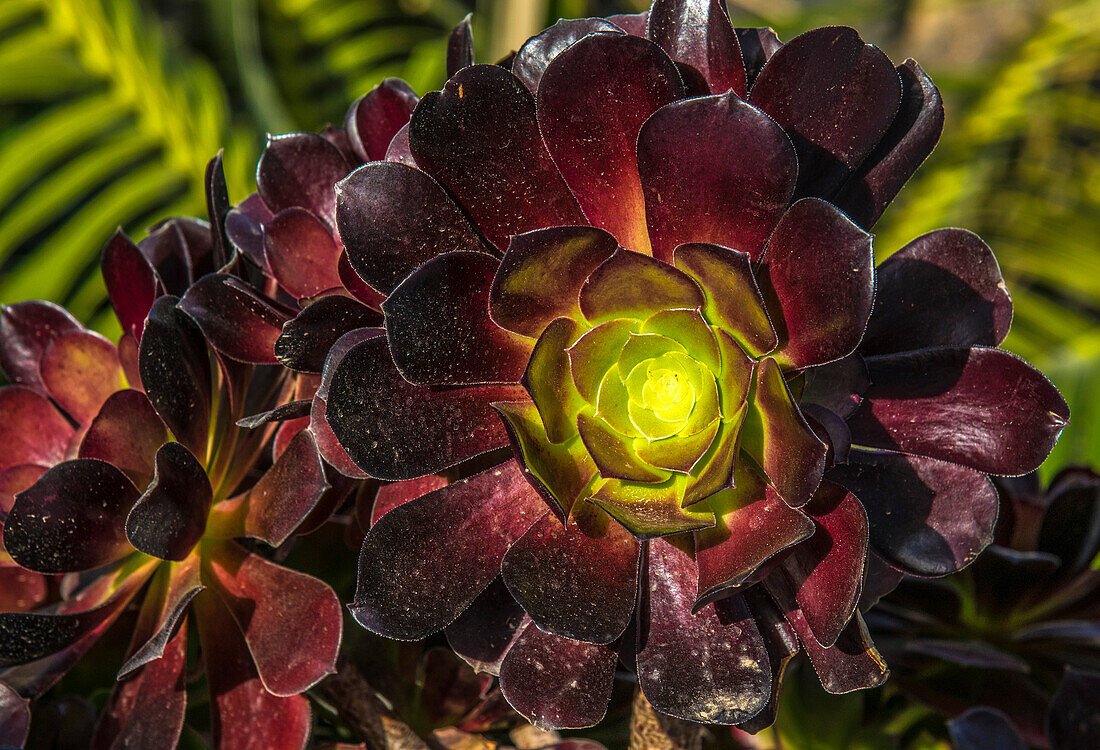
x,y
1073,720
307,339
170,517
166,601
26,328
483,633
540,50
127,433
15,717
982,728
300,169
698,33
460,46
131,282
217,208
375,118
758,44
301,253
237,320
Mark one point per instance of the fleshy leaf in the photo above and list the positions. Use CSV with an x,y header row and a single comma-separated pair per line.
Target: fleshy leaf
x,y
714,169
541,275
375,118
592,101
423,563
127,433
237,320
396,494
327,444
630,285
821,267
131,282
979,407
15,717
166,602
549,380
650,510
555,682
472,135
1073,722
170,517
80,370
71,519
460,46
301,253
578,580
538,51
984,727
394,217
709,667
300,169
26,328
699,33
483,633
439,329
595,353
614,453
307,339
32,431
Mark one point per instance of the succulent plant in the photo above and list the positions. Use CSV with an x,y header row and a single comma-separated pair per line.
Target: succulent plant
x,y
1001,633
633,321
135,483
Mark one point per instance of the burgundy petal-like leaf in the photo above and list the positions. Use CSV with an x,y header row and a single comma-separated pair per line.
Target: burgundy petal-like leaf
x,y
301,253
710,666
170,517
439,329
835,96
827,568
147,710
399,151
166,601
80,370
237,320
394,217
472,135
852,663
984,727
942,289
327,444
781,641
822,271
632,23
290,621
244,228
32,431
26,328
540,50
280,499
396,494
245,716
15,717
982,408
175,373
127,433
287,412
423,563
926,517
460,46
131,282
555,682
27,636
758,44
483,633
753,524
394,430
355,284
1070,525
1073,720
300,169
578,580
838,386
592,101
21,590
71,519
179,250
375,118
714,169
307,339
541,275
779,440
907,143
699,33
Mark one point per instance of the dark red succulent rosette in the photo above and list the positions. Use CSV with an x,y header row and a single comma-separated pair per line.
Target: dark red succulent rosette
x,y
1001,633
639,266
153,477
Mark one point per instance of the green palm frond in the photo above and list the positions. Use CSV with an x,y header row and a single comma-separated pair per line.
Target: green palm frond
x,y
110,127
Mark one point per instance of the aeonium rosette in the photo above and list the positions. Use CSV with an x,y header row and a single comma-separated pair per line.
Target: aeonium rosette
x,y
638,261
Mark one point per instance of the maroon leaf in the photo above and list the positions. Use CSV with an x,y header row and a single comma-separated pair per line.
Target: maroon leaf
x,y
127,433
32,431
709,667
578,580
170,517
592,101
290,621
244,228
28,636
300,169
472,136
632,23
175,373
460,46
439,329
26,328
245,716
166,601
394,217
15,717
396,494
131,282
80,370
71,519
147,710
327,444
555,682
979,407
355,284
926,517
838,386
753,524
714,169
423,563
852,663
908,142
757,46
399,151
698,33
483,633
1073,720
835,96
782,645
307,339
827,568
375,118
179,250
540,50
237,320
217,208
821,267
984,727
942,289
21,590
301,253
394,430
